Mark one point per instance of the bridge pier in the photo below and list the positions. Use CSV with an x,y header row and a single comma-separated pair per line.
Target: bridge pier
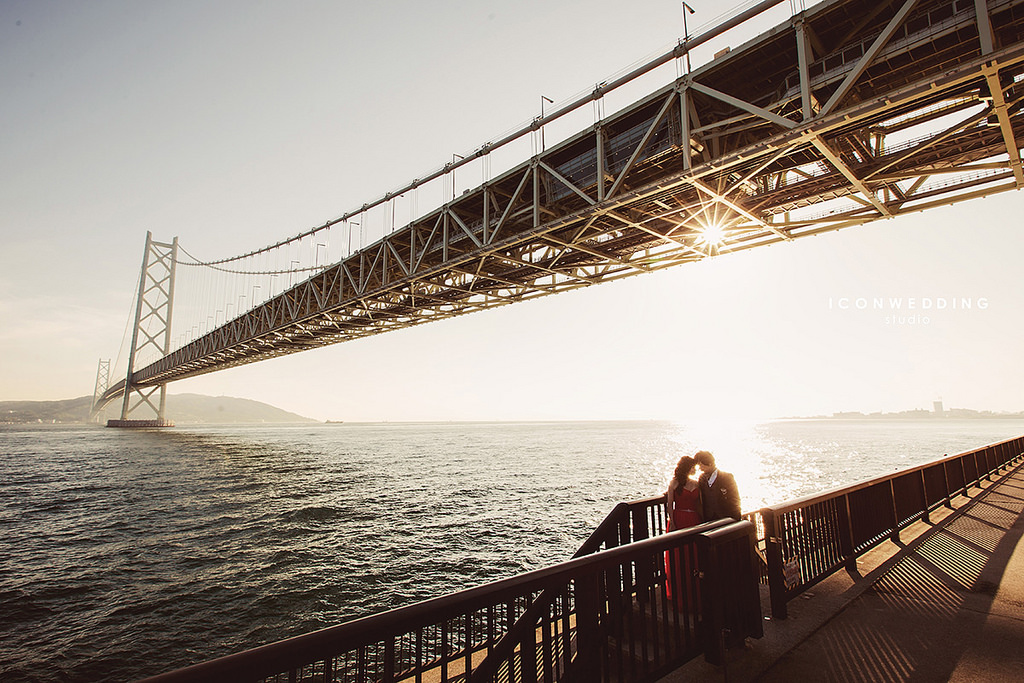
x,y
140,424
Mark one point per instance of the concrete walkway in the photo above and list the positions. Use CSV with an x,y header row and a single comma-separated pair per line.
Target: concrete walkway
x,y
946,604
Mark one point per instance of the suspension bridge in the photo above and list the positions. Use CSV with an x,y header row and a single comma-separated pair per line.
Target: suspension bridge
x,y
850,112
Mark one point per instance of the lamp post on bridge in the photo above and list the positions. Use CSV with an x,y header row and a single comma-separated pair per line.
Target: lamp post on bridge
x,y
686,34
543,99
454,157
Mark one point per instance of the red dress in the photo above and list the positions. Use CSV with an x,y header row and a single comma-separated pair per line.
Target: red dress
x,y
685,509
680,564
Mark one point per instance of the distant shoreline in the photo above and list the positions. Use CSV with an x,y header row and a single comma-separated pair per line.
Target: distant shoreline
x,y
196,409
958,414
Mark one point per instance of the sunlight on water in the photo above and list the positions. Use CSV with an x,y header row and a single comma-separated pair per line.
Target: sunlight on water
x,y
741,447
780,460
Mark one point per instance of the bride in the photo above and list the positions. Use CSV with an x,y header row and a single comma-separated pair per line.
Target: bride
x,y
682,510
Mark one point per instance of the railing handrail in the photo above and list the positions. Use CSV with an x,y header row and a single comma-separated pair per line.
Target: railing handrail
x,y
593,542
617,516
811,499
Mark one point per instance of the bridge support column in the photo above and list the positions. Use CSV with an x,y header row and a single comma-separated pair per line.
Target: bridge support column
x,y
984,26
151,334
102,383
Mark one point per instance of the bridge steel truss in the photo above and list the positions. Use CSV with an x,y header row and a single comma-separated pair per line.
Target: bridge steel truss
x,y
853,111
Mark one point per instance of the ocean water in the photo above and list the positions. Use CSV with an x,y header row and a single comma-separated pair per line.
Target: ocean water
x,y
129,553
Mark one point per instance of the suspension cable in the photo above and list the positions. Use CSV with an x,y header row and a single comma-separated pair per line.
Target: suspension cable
x,y
678,50
213,265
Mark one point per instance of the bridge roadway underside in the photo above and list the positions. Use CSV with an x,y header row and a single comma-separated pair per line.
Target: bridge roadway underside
x,y
851,112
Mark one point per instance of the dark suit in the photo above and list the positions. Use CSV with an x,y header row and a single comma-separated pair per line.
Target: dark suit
x,y
721,499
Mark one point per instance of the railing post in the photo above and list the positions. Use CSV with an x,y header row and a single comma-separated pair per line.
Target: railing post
x,y
712,622
641,530
894,534
945,480
846,535
389,660
963,472
527,657
924,494
624,532
776,576
588,639
730,600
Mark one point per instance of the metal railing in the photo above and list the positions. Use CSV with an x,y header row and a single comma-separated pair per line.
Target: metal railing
x,y
808,539
634,602
607,617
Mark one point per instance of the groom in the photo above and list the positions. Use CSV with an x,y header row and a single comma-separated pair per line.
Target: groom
x,y
719,495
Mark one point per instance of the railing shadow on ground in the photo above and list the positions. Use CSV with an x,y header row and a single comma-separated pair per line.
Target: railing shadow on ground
x,y
927,614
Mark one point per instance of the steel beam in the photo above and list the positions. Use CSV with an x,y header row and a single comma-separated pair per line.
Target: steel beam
x,y
868,58
1002,114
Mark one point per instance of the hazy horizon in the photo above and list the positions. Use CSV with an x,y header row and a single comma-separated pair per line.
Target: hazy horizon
x,y
833,415
233,126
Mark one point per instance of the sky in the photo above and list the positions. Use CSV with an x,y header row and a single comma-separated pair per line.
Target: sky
x,y
232,125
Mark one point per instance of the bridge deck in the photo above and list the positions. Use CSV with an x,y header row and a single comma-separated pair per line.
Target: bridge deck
x,y
948,604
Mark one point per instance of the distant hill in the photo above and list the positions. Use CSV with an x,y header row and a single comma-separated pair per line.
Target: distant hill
x,y
181,408
188,408
68,410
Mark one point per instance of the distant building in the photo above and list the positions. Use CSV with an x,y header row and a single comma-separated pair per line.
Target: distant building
x,y
938,408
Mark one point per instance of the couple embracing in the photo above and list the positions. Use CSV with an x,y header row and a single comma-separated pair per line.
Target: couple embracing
x,y
692,501
689,502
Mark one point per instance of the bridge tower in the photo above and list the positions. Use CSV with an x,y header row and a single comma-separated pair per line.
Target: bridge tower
x,y
151,332
102,383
